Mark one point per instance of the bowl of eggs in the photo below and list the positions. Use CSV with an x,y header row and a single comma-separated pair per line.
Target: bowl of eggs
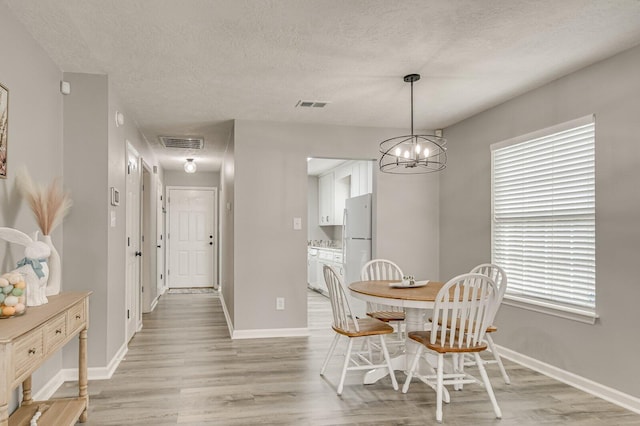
x,y
13,295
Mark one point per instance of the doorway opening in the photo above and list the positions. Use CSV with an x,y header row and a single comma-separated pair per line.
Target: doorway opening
x,y
339,196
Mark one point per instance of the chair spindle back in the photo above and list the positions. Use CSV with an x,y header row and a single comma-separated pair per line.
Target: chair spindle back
x,y
463,308
342,315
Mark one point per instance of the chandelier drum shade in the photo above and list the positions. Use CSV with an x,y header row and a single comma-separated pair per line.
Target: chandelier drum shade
x,y
413,153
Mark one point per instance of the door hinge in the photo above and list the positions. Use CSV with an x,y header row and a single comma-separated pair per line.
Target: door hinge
x,y
142,289
128,169
142,237
128,242
128,316
160,276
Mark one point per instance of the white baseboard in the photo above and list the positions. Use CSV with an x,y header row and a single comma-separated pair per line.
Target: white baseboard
x,y
71,375
47,391
226,315
601,391
98,373
266,333
154,303
261,333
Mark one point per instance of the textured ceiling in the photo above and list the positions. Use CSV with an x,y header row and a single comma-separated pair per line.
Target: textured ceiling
x,y
189,67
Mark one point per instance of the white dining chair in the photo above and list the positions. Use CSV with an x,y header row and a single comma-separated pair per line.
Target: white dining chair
x,y
498,275
346,324
460,319
383,269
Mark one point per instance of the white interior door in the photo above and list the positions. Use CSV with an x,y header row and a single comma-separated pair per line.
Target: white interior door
x,y
192,239
133,249
160,240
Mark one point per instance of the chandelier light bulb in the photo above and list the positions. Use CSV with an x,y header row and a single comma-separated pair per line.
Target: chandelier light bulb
x,y
406,154
417,148
398,152
426,152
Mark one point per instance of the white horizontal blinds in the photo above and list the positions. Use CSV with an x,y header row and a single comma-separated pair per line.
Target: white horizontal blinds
x,y
544,216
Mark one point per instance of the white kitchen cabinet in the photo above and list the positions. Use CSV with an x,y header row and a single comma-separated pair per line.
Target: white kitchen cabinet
x,y
331,257
312,267
326,199
361,178
348,180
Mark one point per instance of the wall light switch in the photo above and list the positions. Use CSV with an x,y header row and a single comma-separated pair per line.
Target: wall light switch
x,y
297,223
279,303
113,219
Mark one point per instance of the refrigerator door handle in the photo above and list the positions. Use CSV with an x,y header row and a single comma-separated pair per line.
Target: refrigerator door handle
x,y
344,236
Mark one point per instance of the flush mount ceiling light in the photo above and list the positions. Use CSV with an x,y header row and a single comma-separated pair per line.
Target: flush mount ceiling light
x,y
413,153
190,166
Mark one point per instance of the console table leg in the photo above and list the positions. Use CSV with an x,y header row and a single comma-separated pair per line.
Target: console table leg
x,y
82,373
26,391
4,413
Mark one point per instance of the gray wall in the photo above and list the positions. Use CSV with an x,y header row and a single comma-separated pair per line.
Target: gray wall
x,y
86,265
611,90
35,141
227,228
94,161
271,189
180,178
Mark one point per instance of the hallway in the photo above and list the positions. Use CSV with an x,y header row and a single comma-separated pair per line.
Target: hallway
x,y
182,368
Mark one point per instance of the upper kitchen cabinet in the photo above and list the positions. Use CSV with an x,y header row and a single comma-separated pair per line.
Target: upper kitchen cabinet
x,y
350,179
361,181
326,201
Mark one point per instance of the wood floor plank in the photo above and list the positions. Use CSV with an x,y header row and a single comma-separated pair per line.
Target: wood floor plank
x,y
183,369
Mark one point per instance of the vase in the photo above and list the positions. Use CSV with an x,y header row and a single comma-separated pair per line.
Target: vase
x,y
55,269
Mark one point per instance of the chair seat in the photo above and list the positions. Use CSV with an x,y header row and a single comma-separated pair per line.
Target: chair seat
x,y
490,329
387,316
368,327
424,338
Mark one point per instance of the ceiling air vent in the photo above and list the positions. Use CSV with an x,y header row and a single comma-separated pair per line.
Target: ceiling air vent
x,y
312,104
182,143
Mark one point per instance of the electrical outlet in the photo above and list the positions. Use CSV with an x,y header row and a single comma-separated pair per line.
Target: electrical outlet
x,y
279,303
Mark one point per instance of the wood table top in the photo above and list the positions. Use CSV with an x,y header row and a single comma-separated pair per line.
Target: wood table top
x,y
381,288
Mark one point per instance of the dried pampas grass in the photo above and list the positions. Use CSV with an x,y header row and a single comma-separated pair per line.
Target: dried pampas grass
x,y
48,204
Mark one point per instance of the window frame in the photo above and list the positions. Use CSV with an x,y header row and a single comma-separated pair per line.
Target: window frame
x,y
546,306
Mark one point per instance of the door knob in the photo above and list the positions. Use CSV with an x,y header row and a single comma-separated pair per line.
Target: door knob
x,y
138,253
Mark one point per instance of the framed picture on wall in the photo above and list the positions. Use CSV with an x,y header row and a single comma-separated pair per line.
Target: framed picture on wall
x,y
4,129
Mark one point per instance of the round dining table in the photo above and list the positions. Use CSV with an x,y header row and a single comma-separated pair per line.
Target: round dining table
x,y
416,301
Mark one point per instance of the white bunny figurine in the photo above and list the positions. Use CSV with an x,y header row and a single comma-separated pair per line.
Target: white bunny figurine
x,y
33,266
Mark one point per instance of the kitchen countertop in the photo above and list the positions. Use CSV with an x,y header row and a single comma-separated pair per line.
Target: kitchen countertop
x,y
325,248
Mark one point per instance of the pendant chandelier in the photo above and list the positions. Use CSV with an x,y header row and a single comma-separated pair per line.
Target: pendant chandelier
x,y
413,153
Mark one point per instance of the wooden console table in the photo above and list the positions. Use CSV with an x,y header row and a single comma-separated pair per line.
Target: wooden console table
x,y
27,341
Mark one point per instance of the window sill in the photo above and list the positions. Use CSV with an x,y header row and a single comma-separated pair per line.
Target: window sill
x,y
572,313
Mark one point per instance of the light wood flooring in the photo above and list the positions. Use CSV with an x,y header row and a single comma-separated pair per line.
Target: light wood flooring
x,y
183,368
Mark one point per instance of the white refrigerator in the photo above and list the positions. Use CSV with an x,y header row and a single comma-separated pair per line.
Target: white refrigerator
x,y
356,246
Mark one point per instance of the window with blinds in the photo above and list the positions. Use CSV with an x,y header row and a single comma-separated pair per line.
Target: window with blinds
x,y
543,210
